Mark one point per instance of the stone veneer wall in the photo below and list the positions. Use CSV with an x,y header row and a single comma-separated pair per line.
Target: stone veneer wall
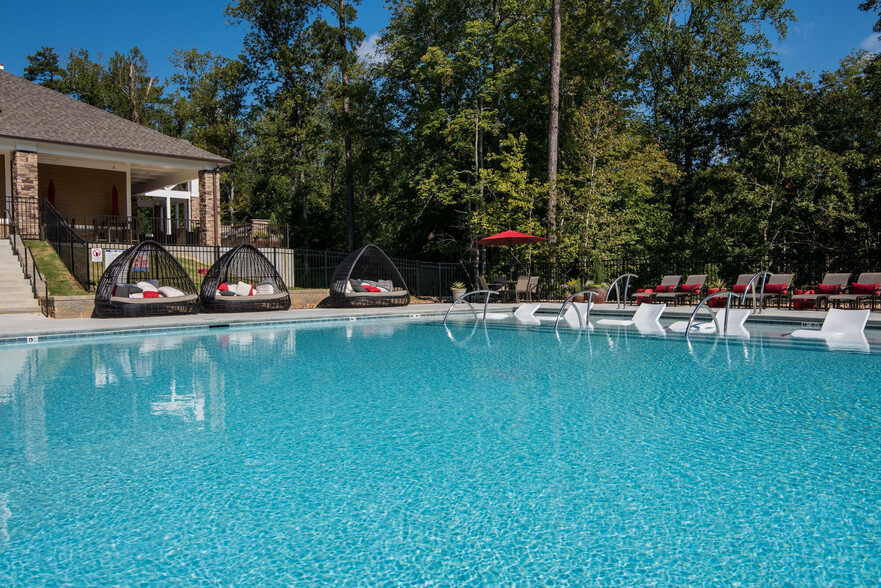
x,y
25,185
209,213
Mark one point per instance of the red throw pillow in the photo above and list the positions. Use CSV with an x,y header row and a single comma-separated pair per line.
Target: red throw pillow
x,y
865,289
148,294
252,292
663,288
223,287
370,288
738,288
691,288
824,289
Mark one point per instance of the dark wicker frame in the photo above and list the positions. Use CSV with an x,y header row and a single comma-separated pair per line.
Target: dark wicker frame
x,y
244,263
368,263
161,266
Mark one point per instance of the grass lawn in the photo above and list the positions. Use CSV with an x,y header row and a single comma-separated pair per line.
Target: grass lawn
x,y
60,282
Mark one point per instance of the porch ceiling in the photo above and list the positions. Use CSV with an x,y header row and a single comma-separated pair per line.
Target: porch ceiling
x,y
144,176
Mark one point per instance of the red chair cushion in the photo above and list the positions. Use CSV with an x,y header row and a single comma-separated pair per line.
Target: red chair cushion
x,y
831,289
865,288
692,288
664,288
370,288
739,288
223,287
775,288
148,294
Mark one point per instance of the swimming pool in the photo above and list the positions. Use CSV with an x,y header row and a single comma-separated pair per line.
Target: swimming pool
x,y
401,452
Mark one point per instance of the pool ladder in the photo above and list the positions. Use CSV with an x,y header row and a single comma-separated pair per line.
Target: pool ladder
x,y
466,295
750,287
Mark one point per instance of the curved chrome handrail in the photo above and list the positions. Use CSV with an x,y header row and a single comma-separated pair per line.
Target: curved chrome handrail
x,y
618,300
702,304
751,287
582,321
466,294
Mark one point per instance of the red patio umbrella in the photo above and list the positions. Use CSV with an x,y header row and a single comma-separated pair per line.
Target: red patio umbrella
x,y
115,197
508,238
52,193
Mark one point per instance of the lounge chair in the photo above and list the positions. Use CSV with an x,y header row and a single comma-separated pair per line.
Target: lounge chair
x,y
668,284
575,313
831,285
776,289
243,280
145,280
736,318
690,290
838,324
368,264
867,287
646,314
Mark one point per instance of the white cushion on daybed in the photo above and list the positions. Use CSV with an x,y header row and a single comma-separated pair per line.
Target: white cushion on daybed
x,y
170,292
243,289
264,288
147,287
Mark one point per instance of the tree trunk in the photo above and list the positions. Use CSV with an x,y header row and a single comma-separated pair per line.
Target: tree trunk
x,y
554,121
350,189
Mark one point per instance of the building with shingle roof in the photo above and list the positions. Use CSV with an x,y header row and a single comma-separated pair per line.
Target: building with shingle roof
x,y
79,156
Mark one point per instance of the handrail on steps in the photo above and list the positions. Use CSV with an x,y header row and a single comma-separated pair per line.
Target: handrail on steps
x,y
465,295
582,321
618,299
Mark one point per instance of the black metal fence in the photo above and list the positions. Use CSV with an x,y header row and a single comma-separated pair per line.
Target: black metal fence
x,y
71,248
304,268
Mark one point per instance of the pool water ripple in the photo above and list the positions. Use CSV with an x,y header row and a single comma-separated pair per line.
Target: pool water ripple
x,y
405,453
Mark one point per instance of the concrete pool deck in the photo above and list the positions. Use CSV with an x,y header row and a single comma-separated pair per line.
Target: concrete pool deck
x,y
20,327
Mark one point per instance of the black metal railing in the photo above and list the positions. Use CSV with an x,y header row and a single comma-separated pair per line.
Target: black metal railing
x,y
39,286
72,249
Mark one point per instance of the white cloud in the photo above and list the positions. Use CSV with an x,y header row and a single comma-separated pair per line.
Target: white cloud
x,y
872,43
369,52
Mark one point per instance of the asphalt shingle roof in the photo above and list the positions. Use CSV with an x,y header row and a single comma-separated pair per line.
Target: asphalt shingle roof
x,y
36,113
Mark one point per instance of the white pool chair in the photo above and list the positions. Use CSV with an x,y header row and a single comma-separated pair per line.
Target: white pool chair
x,y
838,323
736,319
525,313
647,316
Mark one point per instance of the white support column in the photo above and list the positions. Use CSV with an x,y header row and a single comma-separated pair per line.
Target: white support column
x,y
168,215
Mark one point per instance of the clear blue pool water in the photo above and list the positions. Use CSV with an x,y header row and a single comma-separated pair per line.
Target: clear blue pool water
x,y
386,453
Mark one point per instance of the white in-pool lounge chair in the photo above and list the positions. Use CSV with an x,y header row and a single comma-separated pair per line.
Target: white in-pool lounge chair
x,y
838,324
646,314
525,314
736,318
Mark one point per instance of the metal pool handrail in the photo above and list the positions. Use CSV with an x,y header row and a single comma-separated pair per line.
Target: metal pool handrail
x,y
751,287
702,304
586,319
465,295
618,300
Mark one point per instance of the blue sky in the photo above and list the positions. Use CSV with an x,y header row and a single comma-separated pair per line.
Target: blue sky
x,y
826,31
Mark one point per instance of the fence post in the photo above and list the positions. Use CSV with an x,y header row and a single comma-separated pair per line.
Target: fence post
x,y
326,281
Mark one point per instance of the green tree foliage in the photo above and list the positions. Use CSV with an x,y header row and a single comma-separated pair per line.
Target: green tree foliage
x,y
675,132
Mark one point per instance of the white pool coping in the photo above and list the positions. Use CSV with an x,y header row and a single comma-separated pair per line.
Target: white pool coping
x,y
17,328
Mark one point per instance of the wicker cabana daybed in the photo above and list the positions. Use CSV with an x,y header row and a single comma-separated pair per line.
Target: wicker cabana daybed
x,y
145,280
243,280
367,277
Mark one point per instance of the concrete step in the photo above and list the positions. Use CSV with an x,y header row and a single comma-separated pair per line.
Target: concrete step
x,y
19,309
